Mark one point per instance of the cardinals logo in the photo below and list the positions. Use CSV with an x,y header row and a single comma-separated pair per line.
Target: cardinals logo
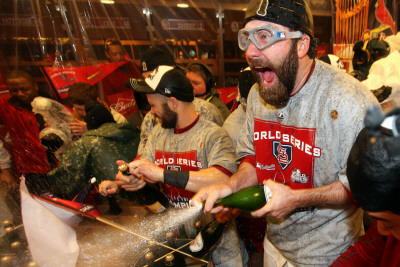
x,y
383,15
283,153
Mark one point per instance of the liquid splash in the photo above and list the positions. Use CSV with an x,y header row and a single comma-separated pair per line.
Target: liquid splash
x,y
104,245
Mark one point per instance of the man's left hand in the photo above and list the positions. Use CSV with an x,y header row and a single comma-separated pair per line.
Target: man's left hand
x,y
148,170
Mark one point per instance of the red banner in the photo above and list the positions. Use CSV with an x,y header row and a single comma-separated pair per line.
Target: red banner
x,y
228,94
63,77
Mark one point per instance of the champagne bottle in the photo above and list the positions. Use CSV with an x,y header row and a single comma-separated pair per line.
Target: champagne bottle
x,y
179,259
249,198
153,199
206,239
84,193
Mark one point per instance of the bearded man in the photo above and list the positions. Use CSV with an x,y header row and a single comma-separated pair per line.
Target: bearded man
x,y
184,152
302,118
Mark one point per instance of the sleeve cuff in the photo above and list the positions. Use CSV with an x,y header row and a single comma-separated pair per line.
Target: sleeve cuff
x,y
250,159
222,169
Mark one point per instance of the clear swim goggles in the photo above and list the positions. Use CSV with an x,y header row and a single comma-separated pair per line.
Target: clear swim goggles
x,y
263,37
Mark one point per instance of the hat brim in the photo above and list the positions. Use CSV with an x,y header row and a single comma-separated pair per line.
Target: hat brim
x,y
140,86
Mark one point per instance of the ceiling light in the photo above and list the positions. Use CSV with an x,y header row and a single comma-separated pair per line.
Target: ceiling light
x,y
182,5
109,2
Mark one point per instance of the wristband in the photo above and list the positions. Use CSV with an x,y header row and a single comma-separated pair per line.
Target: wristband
x,y
176,178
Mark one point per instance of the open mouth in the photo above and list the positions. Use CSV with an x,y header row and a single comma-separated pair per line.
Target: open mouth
x,y
267,75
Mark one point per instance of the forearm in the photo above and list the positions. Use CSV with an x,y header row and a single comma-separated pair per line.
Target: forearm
x,y
331,194
203,178
245,176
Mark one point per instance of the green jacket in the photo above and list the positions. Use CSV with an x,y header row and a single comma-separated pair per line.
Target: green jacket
x,y
94,155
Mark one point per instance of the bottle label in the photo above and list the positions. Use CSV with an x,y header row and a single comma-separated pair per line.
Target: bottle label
x,y
197,244
157,207
267,193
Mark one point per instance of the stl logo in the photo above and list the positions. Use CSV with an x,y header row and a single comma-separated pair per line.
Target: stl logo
x,y
282,153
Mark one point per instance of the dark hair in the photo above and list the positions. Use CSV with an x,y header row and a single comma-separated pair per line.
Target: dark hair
x,y
97,115
15,74
111,41
205,72
312,50
82,93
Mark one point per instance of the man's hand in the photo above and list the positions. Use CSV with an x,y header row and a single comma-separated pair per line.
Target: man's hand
x,y
8,178
108,187
148,170
78,127
129,182
212,193
282,203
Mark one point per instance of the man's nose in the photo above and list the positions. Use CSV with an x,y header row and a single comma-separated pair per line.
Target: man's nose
x,y
252,50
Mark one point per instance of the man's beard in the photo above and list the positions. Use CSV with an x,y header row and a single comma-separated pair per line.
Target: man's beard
x,y
168,118
278,95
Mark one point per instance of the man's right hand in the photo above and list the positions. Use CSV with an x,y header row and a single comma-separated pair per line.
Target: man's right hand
x,y
8,178
131,182
78,127
212,193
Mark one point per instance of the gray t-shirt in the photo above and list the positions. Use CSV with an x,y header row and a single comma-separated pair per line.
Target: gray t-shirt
x,y
202,107
203,146
235,123
306,145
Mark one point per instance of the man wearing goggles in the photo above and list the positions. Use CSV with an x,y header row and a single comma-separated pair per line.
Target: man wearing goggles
x,y
263,36
302,119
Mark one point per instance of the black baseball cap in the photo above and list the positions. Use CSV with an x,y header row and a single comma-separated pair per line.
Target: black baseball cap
x,y
167,81
294,14
155,57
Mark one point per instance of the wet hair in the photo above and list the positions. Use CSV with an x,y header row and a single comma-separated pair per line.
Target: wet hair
x,y
15,74
82,93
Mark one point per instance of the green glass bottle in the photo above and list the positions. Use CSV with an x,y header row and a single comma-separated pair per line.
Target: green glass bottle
x,y
249,198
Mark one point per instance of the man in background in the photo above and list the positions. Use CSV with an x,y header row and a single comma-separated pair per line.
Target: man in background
x,y
203,82
115,82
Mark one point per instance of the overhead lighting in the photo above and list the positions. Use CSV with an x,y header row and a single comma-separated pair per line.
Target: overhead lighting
x,y
182,5
108,2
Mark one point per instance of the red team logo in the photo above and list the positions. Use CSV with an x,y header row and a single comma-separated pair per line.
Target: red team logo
x,y
285,153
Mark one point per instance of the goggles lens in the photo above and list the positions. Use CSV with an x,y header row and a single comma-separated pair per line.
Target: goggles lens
x,y
263,37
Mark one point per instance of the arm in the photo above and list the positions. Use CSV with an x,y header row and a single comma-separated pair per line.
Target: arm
x,y
285,200
152,173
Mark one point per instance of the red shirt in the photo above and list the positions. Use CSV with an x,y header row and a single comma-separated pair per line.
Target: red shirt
x,y
371,250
